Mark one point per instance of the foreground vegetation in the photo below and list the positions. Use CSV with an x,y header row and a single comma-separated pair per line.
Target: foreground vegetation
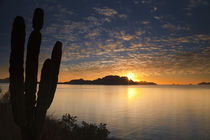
x,y
66,128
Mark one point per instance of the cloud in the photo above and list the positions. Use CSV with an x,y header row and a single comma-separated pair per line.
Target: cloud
x,y
155,8
194,4
146,1
94,33
157,17
197,3
145,22
121,35
106,11
140,32
123,16
61,13
172,27
125,36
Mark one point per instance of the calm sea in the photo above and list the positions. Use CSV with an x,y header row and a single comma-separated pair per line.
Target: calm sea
x,y
139,112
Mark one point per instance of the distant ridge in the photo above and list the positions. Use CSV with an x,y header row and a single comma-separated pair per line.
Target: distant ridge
x,y
5,80
108,80
204,83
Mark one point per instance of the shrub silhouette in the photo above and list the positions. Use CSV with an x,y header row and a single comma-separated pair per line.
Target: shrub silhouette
x,y
84,131
28,110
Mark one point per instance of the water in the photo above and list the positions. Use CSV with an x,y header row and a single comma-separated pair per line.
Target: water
x,y
139,112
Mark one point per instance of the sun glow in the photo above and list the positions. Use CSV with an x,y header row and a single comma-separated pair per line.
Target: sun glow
x,y
130,76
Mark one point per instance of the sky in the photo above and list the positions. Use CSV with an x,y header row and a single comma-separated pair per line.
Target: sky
x,y
162,41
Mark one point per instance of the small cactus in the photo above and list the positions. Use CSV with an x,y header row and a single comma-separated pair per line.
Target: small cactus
x,y
28,110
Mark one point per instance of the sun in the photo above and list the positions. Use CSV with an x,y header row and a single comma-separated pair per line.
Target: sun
x,y
130,76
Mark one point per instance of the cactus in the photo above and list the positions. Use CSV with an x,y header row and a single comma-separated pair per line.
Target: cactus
x,y
28,110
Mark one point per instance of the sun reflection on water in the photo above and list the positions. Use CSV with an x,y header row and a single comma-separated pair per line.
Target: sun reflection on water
x,y
133,93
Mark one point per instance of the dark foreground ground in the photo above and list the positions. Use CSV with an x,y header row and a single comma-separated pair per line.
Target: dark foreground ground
x,y
66,128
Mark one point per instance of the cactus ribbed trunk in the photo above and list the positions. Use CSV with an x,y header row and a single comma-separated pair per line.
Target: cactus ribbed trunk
x,y
16,71
28,111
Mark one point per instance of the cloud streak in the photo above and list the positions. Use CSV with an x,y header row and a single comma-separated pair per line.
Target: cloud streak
x,y
106,11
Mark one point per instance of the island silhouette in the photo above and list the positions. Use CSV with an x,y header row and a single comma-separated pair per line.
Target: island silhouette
x,y
5,80
108,80
204,83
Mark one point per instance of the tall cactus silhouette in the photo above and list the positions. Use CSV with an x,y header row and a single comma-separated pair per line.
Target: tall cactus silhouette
x,y
28,110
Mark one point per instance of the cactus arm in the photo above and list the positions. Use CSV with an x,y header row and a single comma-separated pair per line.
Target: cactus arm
x,y
49,78
38,19
56,60
33,49
44,86
16,71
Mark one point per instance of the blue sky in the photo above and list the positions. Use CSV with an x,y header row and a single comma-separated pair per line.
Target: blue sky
x,y
156,40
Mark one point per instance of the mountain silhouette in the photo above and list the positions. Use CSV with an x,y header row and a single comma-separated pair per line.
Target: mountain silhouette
x,y
5,80
108,80
204,83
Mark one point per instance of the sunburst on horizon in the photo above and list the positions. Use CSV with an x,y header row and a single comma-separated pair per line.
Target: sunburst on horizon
x,y
130,76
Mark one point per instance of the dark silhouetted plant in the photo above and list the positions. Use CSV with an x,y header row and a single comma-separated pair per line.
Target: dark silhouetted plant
x,y
28,110
5,98
85,131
